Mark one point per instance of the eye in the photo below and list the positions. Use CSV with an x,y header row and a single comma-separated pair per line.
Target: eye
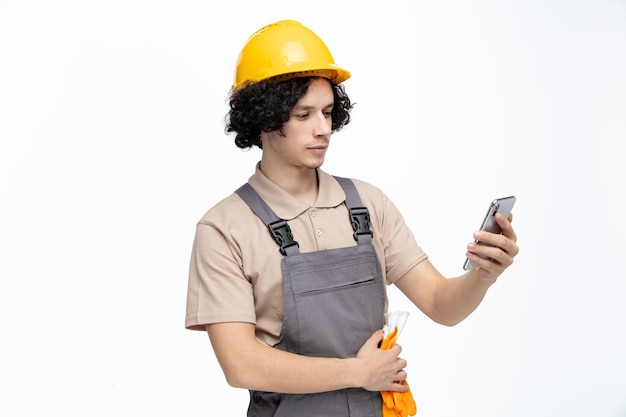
x,y
328,113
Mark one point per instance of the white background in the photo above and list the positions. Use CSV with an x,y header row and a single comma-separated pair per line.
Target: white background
x,y
112,147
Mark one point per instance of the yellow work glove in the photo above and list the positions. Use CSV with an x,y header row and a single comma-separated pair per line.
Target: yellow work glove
x,y
396,404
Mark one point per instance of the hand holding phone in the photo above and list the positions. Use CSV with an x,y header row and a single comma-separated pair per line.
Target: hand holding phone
x,y
499,205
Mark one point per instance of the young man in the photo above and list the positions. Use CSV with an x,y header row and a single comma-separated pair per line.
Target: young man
x,y
288,273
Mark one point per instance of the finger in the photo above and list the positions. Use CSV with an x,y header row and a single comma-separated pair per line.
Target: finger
x,y
489,257
399,402
401,363
502,257
498,252
401,375
505,243
487,241
409,403
489,266
506,226
376,338
397,385
388,411
387,397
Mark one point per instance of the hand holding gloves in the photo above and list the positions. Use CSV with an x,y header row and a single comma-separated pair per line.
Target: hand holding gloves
x,y
396,404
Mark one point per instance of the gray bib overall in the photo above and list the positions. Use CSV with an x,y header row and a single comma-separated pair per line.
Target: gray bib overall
x,y
334,301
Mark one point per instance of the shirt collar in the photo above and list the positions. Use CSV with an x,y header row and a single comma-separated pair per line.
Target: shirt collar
x,y
287,207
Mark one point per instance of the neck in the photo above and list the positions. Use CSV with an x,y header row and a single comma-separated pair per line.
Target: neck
x,y
300,183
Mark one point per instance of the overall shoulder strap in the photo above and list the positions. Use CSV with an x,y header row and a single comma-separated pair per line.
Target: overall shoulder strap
x,y
359,215
279,229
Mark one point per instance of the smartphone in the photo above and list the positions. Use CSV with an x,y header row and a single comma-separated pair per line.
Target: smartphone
x,y
499,205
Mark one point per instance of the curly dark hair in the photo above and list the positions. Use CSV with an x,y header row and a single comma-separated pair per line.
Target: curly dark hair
x,y
266,105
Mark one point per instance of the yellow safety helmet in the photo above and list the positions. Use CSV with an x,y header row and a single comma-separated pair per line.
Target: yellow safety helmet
x,y
283,50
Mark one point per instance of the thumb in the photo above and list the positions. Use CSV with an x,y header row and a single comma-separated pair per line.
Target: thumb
x,y
376,338
371,344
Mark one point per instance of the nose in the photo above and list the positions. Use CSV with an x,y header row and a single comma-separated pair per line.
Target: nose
x,y
323,125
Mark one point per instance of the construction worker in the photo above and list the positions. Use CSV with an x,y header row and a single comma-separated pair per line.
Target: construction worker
x,y
288,273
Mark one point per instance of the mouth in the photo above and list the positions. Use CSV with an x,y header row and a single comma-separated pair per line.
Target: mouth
x,y
320,146
318,149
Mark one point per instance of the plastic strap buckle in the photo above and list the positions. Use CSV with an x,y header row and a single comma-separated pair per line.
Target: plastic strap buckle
x,y
360,219
281,232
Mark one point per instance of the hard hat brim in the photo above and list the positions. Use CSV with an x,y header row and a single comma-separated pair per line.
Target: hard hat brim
x,y
335,74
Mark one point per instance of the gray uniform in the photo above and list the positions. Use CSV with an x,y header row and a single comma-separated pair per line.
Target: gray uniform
x,y
334,301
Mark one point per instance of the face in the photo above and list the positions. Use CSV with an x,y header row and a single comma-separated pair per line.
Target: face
x,y
304,138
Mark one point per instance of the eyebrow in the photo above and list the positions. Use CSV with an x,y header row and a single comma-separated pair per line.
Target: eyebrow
x,y
300,107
